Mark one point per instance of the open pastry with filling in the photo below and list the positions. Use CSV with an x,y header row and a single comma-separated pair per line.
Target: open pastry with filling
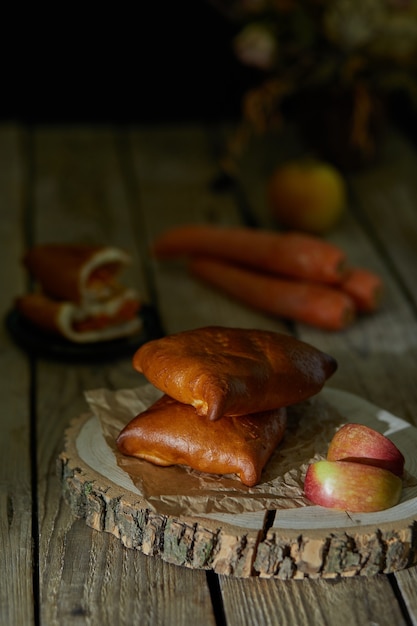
x,y
77,272
78,294
101,321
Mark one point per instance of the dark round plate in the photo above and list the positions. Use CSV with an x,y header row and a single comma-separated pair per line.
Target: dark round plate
x,y
40,344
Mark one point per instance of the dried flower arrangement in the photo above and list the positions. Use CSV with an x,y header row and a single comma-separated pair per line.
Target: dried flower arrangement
x,y
333,61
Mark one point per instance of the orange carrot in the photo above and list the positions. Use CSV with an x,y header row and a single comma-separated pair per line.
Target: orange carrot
x,y
293,254
304,301
364,287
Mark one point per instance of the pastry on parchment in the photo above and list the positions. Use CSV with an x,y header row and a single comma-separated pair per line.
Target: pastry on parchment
x,y
101,321
234,371
76,272
172,433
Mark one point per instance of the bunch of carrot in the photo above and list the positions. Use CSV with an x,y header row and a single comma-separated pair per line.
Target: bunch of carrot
x,y
292,275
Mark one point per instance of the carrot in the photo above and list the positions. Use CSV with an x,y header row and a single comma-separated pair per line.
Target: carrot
x,y
304,301
364,287
293,254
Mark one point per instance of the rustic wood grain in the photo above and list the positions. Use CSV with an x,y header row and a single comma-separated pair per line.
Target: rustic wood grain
x,y
80,194
407,582
347,601
386,199
175,169
376,348
124,187
380,346
16,562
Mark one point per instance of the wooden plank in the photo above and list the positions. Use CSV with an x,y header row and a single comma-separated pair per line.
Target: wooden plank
x,y
168,184
407,584
386,196
84,574
101,582
380,346
377,354
311,603
80,194
16,589
16,604
175,168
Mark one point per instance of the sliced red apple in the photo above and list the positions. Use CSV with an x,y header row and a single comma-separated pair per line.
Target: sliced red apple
x,y
361,444
355,487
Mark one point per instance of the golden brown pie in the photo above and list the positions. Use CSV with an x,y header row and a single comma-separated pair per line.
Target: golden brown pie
x,y
234,371
172,433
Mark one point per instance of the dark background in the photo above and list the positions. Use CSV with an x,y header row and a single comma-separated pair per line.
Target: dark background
x,y
153,62
142,63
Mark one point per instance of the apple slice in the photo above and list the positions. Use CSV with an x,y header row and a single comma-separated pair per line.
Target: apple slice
x,y
355,487
361,444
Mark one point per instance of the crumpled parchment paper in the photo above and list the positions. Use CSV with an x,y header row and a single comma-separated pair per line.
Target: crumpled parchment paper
x,y
179,490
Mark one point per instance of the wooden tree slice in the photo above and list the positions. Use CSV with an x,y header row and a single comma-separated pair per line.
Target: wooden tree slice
x,y
291,543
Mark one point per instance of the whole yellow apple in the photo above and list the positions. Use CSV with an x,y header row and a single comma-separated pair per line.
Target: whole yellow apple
x,y
307,195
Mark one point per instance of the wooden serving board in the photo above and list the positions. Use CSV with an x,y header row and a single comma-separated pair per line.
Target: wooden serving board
x,y
308,541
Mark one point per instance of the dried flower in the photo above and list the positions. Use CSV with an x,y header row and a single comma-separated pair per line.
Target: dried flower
x,y
367,48
256,46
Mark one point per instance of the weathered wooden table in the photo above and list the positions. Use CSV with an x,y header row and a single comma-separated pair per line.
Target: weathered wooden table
x,y
123,186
